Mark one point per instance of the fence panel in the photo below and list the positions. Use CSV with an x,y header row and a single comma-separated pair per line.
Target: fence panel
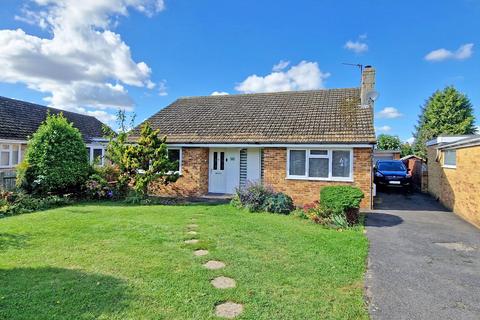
x,y
7,180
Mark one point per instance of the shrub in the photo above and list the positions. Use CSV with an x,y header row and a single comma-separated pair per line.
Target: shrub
x,y
279,203
339,199
25,203
253,196
104,184
56,159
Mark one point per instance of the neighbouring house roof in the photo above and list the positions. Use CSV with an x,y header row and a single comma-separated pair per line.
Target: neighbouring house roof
x,y
20,119
465,142
444,139
316,116
411,156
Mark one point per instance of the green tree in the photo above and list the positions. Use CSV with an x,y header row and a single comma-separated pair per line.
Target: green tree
x,y
141,162
56,160
446,112
388,142
406,149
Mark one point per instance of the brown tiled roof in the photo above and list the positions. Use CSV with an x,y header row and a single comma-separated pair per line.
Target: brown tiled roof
x,y
20,119
317,116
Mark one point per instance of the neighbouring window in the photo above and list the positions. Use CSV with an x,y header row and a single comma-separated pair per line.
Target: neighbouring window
x,y
174,155
320,164
10,155
450,158
96,155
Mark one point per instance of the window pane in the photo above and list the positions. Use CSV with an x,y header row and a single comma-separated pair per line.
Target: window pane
x,y
215,161
450,158
98,156
88,153
15,155
222,160
341,164
174,155
297,162
5,147
318,167
319,152
4,158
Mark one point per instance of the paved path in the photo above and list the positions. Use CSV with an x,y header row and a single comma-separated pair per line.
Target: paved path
x,y
424,262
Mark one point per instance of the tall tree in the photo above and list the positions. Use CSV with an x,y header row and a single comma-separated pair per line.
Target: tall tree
x,y
388,142
446,112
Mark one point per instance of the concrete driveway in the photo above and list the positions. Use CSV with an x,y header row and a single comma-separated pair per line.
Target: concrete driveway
x,y
424,262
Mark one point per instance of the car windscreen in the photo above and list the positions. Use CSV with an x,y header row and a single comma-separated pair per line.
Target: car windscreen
x,y
391,166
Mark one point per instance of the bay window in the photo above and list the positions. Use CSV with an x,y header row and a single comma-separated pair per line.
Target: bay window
x,y
320,164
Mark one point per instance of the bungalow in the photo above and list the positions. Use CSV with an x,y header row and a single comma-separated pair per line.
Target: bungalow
x,y
295,142
20,119
453,174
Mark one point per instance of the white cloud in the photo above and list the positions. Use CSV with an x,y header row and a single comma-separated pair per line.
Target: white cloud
x,y
162,88
410,140
304,76
463,52
358,46
280,65
389,113
219,93
384,128
83,66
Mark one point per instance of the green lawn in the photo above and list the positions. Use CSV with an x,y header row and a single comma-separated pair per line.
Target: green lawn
x,y
127,262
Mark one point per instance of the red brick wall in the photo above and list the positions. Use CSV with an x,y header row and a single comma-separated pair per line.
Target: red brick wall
x,y
306,191
194,178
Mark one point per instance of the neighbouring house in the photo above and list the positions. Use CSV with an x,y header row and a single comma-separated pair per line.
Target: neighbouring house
x,y
454,175
418,169
295,142
20,119
385,155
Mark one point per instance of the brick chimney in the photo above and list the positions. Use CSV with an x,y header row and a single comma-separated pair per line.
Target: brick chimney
x,y
368,85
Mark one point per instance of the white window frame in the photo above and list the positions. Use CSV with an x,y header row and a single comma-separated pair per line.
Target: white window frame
x,y
330,163
90,156
10,154
449,166
180,160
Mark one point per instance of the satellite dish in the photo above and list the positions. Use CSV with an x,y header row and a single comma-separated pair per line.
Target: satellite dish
x,y
372,95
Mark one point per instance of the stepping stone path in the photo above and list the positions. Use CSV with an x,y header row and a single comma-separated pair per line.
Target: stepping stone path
x,y
200,253
228,310
214,265
223,283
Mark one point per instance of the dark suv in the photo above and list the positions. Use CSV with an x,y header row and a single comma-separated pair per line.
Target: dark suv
x,y
392,173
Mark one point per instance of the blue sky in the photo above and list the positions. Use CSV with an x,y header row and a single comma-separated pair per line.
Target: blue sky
x,y
95,56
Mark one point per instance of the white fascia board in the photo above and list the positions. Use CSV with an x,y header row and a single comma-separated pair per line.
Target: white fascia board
x,y
255,145
444,139
13,141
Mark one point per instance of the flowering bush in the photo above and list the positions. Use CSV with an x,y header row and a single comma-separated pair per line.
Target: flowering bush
x,y
256,197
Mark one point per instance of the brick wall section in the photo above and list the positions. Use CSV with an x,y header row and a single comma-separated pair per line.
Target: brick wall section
x,y
194,179
306,191
458,189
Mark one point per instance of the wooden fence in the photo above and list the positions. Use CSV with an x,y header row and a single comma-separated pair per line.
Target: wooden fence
x,y
7,180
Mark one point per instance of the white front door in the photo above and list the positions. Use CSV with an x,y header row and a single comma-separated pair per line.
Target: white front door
x,y
224,167
217,179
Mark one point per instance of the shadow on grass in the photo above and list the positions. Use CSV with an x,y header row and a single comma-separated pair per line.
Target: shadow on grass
x,y
56,293
9,240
